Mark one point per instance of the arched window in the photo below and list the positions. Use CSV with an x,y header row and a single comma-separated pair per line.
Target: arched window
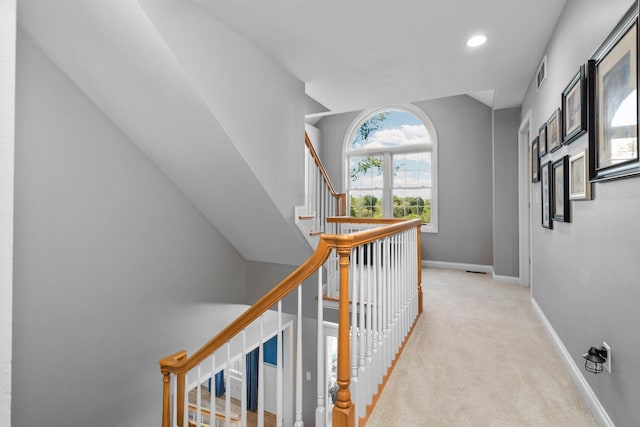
x,y
391,164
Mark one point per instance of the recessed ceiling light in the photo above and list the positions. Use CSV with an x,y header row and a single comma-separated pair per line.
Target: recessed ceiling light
x,y
476,41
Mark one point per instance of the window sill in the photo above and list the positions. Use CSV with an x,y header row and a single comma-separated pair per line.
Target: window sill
x,y
429,230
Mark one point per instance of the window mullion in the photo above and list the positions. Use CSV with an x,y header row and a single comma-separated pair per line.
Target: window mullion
x,y
387,179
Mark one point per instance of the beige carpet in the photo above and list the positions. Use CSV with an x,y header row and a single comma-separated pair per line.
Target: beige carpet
x,y
478,357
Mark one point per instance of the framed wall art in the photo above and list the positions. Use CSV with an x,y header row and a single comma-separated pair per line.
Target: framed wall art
x,y
613,101
553,131
535,161
574,108
545,180
542,140
560,175
579,185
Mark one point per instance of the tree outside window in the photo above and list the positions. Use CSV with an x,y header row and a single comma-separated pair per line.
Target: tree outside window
x,y
389,167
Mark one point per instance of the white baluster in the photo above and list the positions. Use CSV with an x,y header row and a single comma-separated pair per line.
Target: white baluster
x,y
376,313
198,399
321,360
185,418
318,195
299,422
279,369
362,378
310,169
353,275
261,377
227,389
243,388
353,282
396,295
369,323
212,392
388,312
174,401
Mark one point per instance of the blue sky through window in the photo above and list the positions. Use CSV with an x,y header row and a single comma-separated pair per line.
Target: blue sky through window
x,y
398,128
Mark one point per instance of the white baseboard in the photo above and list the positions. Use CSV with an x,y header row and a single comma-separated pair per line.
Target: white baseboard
x,y
507,279
458,266
590,398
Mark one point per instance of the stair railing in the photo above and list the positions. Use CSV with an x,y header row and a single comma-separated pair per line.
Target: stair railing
x,y
379,301
323,201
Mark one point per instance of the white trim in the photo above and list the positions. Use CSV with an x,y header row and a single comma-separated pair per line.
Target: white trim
x,y
590,398
524,202
458,266
507,279
7,153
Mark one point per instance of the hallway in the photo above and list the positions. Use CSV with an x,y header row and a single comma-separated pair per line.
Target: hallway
x,y
478,356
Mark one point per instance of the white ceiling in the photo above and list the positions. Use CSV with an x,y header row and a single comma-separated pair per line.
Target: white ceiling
x,y
362,54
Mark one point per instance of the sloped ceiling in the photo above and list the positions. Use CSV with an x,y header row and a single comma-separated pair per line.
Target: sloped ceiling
x,y
356,55
114,53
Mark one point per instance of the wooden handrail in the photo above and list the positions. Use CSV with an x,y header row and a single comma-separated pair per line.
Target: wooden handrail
x,y
174,365
318,162
355,220
341,197
180,364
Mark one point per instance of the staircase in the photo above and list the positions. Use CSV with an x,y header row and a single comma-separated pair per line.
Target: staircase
x,y
173,79
373,273
322,200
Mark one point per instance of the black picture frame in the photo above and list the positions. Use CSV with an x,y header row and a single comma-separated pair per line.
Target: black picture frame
x,y
542,142
545,182
561,208
574,108
554,124
535,161
612,80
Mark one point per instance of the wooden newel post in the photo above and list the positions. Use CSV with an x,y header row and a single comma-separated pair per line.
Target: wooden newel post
x,y
419,231
343,414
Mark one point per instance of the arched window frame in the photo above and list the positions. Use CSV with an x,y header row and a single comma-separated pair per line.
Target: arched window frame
x,y
432,147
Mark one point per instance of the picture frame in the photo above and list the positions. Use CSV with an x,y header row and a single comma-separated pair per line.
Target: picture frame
x,y
574,108
613,100
553,131
541,74
535,161
545,182
560,177
542,140
579,185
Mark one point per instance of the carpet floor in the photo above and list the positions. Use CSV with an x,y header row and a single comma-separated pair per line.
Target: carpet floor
x,y
478,357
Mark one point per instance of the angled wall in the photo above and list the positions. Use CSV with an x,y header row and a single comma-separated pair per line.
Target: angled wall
x,y
258,103
585,273
200,132
108,252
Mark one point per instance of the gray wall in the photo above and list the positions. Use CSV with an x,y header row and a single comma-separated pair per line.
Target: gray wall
x,y
505,192
465,218
585,273
107,251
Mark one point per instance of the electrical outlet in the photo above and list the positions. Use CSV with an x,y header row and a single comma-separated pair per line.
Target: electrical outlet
x,y
308,376
607,364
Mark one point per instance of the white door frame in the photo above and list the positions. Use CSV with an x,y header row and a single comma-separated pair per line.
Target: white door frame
x,y
524,200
